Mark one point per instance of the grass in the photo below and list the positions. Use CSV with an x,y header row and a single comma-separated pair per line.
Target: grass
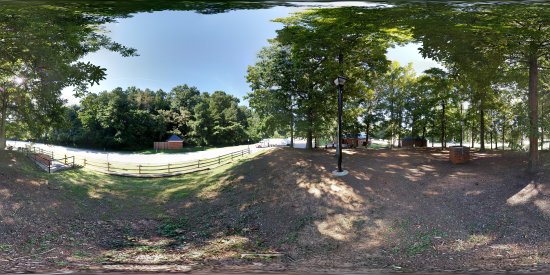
x,y
297,226
172,227
143,196
6,247
423,241
378,146
411,239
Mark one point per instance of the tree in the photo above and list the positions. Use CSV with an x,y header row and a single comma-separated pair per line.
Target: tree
x,y
490,37
306,50
394,87
273,81
41,48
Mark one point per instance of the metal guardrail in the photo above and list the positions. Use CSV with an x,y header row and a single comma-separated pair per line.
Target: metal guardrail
x,y
142,170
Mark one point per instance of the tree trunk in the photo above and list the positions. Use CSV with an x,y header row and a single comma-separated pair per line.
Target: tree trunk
x,y
533,114
424,132
392,124
496,137
399,130
503,142
291,127
309,142
443,138
491,138
542,128
414,128
481,127
472,136
3,119
367,133
541,138
433,135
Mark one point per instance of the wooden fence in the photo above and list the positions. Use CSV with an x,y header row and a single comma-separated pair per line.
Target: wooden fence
x,y
150,170
46,159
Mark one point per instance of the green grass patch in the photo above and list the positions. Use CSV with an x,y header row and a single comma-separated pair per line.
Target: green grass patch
x,y
410,239
173,227
6,247
80,254
140,196
423,242
87,183
378,146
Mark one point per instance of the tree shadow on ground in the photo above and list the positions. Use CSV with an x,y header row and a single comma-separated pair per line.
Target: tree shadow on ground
x,y
410,208
406,208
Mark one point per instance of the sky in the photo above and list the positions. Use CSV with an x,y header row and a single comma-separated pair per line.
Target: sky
x,y
210,52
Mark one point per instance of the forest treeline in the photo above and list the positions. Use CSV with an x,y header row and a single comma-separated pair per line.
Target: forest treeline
x,y
133,118
495,57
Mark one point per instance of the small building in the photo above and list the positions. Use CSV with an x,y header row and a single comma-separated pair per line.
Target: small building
x,y
174,142
414,142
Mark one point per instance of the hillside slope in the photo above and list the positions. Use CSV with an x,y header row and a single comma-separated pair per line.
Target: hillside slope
x,y
397,209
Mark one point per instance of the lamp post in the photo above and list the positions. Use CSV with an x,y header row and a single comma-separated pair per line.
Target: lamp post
x,y
340,83
463,106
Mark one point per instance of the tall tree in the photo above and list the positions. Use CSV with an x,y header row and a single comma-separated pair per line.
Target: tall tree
x,y
39,56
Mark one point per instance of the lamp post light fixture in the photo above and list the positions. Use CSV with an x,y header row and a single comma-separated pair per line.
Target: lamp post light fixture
x,y
340,83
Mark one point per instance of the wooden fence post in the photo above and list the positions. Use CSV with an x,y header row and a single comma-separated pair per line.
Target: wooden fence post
x,y
65,159
108,167
199,163
73,161
84,163
139,169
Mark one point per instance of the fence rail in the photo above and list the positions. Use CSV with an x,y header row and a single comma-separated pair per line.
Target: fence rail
x,y
47,159
142,170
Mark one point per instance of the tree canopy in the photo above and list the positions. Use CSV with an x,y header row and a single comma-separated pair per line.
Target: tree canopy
x,y
491,53
494,57
40,55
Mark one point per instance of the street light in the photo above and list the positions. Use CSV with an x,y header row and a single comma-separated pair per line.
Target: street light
x,y
340,83
463,106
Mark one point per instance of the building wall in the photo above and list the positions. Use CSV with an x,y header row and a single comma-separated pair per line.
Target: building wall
x,y
173,145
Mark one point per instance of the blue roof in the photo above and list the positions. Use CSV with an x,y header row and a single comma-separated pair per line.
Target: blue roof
x,y
174,138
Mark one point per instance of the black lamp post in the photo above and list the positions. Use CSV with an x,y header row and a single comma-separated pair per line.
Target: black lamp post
x,y
461,124
464,105
340,83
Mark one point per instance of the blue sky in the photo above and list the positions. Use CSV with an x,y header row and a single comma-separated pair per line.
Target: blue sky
x,y
211,52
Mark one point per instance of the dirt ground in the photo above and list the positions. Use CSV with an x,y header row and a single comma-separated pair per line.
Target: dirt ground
x,y
400,209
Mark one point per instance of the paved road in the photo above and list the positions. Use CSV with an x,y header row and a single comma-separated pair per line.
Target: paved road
x,y
160,158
